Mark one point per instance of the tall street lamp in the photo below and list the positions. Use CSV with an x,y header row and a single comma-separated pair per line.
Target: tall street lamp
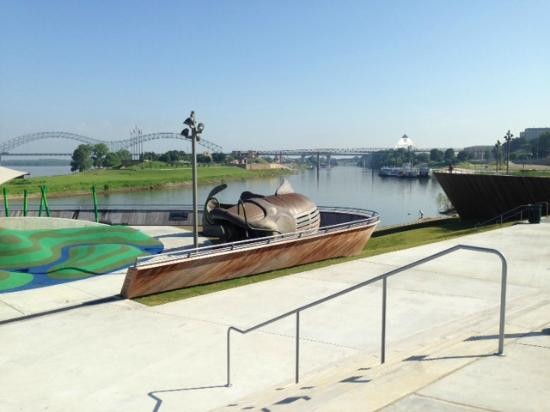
x,y
193,132
508,137
497,155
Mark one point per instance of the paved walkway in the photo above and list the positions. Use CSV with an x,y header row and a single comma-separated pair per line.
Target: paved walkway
x,y
110,354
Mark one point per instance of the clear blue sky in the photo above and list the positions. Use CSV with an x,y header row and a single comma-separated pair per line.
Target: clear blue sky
x,y
277,74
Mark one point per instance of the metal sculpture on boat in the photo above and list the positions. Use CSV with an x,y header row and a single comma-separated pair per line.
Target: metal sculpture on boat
x,y
261,233
256,215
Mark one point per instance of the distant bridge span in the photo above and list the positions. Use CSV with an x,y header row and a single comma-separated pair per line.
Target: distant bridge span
x,y
358,151
134,144
28,138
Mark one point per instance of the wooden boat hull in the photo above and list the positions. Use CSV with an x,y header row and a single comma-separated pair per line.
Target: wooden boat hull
x,y
155,277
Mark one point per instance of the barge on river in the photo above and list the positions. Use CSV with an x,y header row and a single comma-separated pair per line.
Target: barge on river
x,y
405,171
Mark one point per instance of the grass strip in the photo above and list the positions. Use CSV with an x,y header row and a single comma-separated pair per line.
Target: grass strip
x,y
133,179
377,245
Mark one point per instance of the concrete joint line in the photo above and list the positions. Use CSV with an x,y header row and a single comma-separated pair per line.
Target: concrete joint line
x,y
308,340
455,403
13,307
533,345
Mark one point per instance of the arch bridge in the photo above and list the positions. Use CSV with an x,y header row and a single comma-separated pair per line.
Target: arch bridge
x,y
134,144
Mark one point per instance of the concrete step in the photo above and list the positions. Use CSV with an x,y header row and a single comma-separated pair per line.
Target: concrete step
x,y
361,383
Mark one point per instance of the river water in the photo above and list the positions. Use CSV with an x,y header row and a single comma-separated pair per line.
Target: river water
x,y
397,200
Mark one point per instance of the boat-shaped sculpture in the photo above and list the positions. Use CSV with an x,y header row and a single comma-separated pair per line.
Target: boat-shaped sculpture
x,y
257,234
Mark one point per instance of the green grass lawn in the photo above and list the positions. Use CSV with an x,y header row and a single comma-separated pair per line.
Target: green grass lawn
x,y
536,173
135,178
378,244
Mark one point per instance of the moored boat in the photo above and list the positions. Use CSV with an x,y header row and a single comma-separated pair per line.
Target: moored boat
x,y
407,170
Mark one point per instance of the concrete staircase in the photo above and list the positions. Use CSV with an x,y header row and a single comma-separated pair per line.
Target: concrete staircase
x,y
360,383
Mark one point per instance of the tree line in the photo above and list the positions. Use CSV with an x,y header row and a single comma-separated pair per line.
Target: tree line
x,y
523,149
97,156
520,149
398,157
179,156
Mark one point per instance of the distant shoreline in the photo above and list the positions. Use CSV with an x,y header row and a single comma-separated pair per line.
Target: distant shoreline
x,y
36,162
131,180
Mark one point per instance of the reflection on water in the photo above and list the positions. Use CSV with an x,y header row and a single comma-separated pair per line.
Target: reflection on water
x,y
397,200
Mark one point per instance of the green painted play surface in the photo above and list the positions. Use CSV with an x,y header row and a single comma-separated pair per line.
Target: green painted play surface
x,y
35,258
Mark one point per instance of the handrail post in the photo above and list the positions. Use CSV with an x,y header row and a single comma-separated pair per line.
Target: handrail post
x,y
383,337
94,200
297,372
503,282
228,358
6,206
25,202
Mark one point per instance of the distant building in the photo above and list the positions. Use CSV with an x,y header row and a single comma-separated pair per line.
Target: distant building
x,y
244,157
405,143
534,132
480,152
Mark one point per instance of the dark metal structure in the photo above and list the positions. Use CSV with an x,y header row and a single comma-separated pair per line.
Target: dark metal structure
x,y
482,196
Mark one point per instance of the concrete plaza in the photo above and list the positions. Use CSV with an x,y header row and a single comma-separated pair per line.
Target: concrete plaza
x,y
77,346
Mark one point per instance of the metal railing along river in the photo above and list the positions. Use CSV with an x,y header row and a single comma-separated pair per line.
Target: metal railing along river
x,y
383,278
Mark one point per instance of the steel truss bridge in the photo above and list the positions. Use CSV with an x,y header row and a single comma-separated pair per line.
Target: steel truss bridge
x,y
359,151
133,144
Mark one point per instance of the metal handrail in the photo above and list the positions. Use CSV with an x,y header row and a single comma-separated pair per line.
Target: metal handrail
x,y
383,277
518,211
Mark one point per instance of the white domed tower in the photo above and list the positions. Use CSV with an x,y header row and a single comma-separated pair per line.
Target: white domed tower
x,y
405,143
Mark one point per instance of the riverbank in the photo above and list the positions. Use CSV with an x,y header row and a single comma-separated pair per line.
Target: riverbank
x,y
132,179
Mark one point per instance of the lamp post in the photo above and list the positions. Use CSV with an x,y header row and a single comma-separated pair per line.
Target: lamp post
x,y
193,132
497,155
508,137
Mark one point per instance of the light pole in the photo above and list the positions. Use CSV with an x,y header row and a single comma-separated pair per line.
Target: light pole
x,y
497,155
508,137
193,133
